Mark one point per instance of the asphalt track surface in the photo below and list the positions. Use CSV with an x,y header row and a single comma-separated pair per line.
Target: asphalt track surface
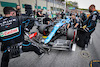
x,y
61,58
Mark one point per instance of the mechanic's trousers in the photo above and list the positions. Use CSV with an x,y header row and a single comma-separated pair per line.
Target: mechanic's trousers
x,y
84,38
87,38
5,56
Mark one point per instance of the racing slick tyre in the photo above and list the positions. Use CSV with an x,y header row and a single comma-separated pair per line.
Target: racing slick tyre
x,y
44,29
70,34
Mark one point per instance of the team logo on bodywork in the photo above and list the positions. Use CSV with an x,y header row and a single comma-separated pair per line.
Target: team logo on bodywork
x,y
9,32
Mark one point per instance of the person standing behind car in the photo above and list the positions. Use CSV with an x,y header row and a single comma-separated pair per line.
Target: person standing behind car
x,y
18,11
70,14
62,14
74,22
77,14
82,17
39,13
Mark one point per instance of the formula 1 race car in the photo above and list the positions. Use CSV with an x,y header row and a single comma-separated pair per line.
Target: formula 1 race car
x,y
58,37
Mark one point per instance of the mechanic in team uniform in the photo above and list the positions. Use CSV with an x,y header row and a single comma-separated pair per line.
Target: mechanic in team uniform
x,y
46,20
39,13
62,14
18,10
89,27
12,35
74,22
77,14
82,17
70,14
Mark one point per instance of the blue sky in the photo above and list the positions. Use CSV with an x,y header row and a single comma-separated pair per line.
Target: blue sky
x,y
87,3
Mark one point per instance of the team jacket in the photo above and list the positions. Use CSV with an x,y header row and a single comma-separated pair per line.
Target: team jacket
x,y
83,16
92,21
12,30
74,21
